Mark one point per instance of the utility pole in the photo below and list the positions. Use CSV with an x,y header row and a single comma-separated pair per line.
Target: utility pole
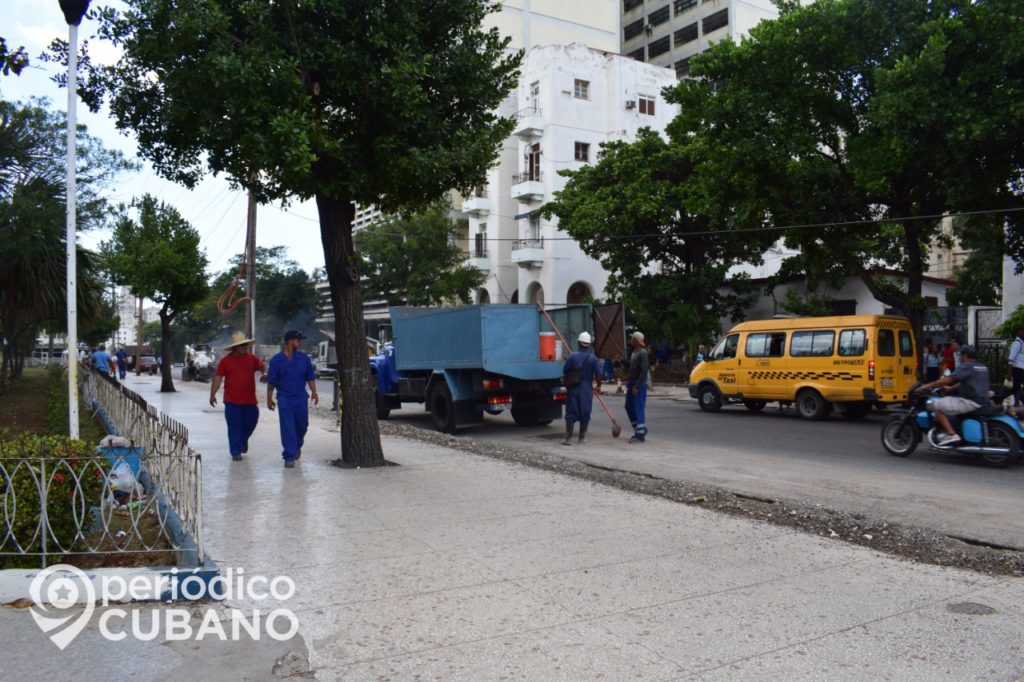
x,y
138,341
250,268
73,11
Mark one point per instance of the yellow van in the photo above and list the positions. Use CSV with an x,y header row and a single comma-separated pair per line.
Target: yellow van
x,y
851,362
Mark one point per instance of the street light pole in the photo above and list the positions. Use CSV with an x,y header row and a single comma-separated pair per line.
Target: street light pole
x,y
73,11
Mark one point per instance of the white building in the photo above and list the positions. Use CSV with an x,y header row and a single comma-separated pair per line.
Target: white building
x,y
669,32
570,99
1013,288
127,307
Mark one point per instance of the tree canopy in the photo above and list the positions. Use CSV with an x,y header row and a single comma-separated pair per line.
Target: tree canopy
x,y
346,101
155,252
413,259
867,120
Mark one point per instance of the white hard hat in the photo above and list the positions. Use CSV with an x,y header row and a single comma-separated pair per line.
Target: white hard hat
x,y
638,336
585,338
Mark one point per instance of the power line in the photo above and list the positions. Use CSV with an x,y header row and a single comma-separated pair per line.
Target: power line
x,y
740,230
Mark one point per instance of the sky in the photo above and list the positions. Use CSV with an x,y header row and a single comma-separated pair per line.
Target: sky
x,y
215,210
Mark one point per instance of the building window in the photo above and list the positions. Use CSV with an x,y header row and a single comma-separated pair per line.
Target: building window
x,y
658,47
684,6
480,243
631,4
686,35
716,21
631,31
637,54
646,105
683,68
582,151
659,16
581,89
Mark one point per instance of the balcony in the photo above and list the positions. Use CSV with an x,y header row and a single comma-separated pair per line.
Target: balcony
x,y
528,186
529,124
476,205
479,259
528,253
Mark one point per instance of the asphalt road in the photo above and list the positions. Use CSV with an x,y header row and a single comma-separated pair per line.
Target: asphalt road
x,y
835,463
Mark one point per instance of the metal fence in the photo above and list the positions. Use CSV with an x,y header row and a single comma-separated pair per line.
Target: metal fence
x,y
139,503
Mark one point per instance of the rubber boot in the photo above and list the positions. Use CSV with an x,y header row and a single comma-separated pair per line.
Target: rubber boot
x,y
583,432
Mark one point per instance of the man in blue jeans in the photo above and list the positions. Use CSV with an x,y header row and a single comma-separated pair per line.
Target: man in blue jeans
x,y
636,388
291,371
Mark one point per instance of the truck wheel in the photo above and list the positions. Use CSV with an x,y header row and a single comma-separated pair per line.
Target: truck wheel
x,y
810,405
442,409
383,411
525,416
709,399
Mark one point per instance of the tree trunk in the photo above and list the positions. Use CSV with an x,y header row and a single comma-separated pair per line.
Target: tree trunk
x,y
166,334
360,435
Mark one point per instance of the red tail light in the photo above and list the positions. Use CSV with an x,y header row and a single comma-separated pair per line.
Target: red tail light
x,y
559,394
499,400
493,384
871,370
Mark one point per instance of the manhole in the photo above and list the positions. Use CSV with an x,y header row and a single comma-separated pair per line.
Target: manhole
x,y
971,608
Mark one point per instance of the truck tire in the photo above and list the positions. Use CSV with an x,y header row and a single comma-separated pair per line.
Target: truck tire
x,y
383,411
442,409
810,405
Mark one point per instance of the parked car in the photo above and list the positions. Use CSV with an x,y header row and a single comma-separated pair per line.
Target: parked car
x,y
149,364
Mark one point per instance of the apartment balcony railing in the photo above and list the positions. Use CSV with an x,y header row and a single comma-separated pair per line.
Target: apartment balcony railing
x,y
479,259
528,253
477,205
528,186
529,123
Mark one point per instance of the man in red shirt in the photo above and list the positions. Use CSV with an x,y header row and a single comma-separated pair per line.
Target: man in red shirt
x,y
236,370
951,354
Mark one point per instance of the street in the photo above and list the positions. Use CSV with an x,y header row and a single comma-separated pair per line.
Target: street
x,y
834,463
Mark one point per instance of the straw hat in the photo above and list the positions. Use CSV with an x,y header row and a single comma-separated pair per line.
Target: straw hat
x,y
238,339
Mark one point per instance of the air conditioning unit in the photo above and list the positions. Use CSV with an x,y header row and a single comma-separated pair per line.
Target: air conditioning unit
x,y
631,104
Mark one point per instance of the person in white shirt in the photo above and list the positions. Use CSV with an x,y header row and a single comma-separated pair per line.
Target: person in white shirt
x,y
1016,362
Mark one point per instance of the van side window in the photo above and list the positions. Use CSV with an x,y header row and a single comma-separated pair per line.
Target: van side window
x,y
906,345
851,342
726,348
886,343
812,344
771,345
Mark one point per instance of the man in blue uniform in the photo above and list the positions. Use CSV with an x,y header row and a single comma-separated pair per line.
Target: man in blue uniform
x,y
290,372
636,388
579,395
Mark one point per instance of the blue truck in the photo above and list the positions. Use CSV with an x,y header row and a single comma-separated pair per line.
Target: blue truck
x,y
463,362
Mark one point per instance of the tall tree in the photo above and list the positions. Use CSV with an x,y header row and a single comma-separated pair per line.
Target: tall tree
x,y
344,101
157,254
635,211
980,277
413,259
881,114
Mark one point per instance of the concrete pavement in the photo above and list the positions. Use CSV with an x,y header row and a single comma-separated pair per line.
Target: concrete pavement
x,y
453,566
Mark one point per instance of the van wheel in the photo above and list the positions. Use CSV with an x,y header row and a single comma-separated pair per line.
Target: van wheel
x,y
442,409
755,405
709,399
810,405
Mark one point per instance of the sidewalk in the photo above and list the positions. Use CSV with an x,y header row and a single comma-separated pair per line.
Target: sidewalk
x,y
458,567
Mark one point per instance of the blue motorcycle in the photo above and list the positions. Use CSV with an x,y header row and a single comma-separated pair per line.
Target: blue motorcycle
x,y
987,433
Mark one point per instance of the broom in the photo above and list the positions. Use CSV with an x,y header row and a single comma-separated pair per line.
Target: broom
x,y
616,429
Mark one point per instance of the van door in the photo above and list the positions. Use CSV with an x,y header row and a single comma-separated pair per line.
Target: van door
x,y
907,375
762,371
887,367
724,364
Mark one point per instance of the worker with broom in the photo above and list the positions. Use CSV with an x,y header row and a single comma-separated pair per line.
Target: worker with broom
x,y
579,373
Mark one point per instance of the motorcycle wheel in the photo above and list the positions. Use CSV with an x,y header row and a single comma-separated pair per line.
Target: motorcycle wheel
x,y
898,438
1000,436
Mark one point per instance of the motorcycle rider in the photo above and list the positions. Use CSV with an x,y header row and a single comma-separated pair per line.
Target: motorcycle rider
x,y
971,380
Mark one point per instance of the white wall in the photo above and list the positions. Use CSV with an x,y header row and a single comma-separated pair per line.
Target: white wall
x,y
594,23
1013,288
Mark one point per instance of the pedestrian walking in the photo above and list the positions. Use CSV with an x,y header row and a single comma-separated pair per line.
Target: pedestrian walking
x,y
932,361
1016,362
103,363
636,388
579,373
237,371
291,371
122,363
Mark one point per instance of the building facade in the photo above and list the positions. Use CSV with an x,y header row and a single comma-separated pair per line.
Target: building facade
x,y
669,32
570,99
